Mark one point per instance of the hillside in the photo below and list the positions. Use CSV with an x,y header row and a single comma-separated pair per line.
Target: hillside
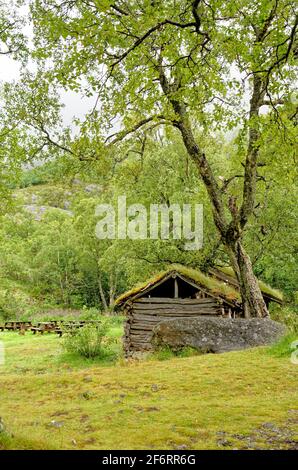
x,y
33,266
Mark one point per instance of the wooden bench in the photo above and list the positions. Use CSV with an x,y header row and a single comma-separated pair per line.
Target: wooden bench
x,y
10,325
58,331
55,326
43,327
36,329
16,325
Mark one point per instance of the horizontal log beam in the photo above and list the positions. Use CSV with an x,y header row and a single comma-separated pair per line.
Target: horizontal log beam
x,y
154,307
141,326
141,345
179,313
169,300
146,317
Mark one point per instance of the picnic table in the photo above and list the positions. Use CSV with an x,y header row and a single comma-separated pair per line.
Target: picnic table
x,y
55,326
44,326
51,326
16,325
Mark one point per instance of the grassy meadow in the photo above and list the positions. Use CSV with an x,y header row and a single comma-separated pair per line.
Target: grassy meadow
x,y
50,399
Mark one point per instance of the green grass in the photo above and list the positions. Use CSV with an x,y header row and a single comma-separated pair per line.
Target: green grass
x,y
167,353
43,354
50,400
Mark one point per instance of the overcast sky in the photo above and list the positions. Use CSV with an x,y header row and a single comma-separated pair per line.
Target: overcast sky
x,y
74,104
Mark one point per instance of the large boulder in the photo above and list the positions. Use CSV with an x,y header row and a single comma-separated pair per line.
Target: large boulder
x,y
217,334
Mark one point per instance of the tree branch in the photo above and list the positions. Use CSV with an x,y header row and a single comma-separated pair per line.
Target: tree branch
x,y
158,26
119,136
41,128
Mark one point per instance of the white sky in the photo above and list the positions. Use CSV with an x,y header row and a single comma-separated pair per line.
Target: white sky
x,y
75,105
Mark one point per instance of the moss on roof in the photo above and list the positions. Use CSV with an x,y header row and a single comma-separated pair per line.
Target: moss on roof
x,y
216,287
265,288
140,287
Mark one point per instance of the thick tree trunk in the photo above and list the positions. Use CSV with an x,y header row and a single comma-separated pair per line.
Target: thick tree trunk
x,y
251,295
230,232
252,299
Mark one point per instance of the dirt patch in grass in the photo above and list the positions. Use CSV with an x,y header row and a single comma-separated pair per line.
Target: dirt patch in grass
x,y
267,436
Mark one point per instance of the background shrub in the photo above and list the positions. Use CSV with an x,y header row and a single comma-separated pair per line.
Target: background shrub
x,y
286,315
86,341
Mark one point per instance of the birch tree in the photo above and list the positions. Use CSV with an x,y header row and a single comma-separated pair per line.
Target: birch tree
x,y
192,65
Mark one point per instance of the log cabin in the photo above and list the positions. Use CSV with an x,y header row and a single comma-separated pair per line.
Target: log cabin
x,y
181,292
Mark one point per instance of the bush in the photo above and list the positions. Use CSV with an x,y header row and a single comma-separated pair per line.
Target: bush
x,y
91,313
286,315
87,341
284,347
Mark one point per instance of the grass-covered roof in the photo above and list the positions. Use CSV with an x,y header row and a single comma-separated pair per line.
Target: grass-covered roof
x,y
216,287
213,285
265,288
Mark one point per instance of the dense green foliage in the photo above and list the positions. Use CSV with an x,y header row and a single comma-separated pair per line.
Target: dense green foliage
x,y
51,258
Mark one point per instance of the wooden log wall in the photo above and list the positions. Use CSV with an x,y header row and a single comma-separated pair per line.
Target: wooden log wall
x,y
144,313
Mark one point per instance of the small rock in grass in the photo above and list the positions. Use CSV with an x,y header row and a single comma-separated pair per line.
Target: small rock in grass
x,y
88,378
223,443
86,395
154,388
56,424
2,426
91,440
240,437
181,447
270,426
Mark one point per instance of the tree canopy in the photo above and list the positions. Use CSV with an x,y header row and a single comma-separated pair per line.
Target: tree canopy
x,y
183,72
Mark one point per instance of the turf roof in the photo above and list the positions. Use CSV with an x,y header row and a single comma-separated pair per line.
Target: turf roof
x,y
265,288
215,286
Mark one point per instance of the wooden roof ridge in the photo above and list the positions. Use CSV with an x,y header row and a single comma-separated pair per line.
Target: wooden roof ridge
x,y
224,277
213,287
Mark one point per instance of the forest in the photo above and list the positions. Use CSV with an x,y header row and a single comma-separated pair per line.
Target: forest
x,y
170,103
51,258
